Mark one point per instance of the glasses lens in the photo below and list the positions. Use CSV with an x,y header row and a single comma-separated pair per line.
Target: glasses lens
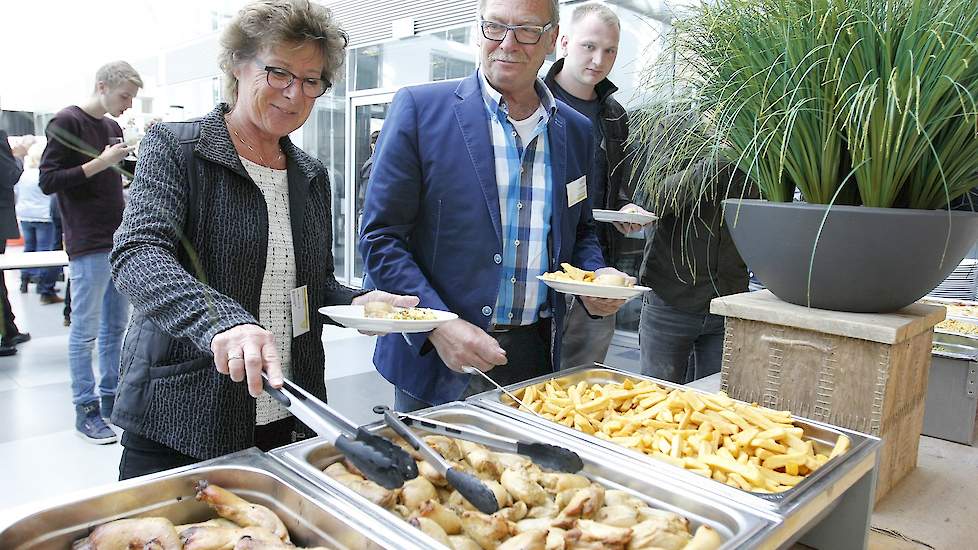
x,y
528,35
314,87
279,78
493,31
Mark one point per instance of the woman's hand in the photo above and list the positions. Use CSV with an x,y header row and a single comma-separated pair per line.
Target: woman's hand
x,y
395,300
244,352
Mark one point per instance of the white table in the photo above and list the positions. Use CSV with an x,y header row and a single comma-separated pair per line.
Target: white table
x,y
27,260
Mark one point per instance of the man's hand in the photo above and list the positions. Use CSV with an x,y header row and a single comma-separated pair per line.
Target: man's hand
x,y
113,154
244,352
395,300
629,228
462,344
603,307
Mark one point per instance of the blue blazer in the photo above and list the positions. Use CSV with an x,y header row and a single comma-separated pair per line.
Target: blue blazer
x,y
431,225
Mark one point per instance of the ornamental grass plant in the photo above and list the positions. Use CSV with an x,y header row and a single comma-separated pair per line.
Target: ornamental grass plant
x,y
849,102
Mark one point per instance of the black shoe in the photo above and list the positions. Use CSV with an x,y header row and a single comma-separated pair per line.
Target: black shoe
x,y
48,299
23,286
7,350
16,339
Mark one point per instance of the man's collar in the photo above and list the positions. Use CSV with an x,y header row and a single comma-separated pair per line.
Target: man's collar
x,y
494,99
603,89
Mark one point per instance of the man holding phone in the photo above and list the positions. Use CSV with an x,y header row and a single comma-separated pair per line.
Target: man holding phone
x,y
79,164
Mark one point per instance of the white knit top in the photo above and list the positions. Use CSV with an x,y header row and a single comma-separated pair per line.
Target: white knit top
x,y
275,309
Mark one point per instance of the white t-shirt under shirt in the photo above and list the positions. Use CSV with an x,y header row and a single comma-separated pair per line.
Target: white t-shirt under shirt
x,y
525,127
275,309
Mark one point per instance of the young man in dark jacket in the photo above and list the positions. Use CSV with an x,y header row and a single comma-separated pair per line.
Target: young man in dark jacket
x,y
79,165
580,79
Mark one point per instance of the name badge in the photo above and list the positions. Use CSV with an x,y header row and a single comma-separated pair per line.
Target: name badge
x,y
300,310
576,191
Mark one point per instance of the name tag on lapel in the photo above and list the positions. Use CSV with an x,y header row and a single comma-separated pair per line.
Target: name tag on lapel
x,y
576,191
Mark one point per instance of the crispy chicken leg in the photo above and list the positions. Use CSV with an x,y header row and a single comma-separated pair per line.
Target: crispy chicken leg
x,y
132,534
231,506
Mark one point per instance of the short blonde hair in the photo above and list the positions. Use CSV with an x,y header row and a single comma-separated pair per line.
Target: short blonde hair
x,y
266,23
116,73
604,14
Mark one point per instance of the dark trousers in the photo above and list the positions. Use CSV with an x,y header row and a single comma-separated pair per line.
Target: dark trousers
x,y
676,345
527,356
141,456
7,328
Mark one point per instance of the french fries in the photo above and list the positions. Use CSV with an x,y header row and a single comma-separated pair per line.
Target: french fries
x,y
745,446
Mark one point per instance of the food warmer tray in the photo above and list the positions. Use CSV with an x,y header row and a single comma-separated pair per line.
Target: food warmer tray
x,y
738,524
313,516
799,507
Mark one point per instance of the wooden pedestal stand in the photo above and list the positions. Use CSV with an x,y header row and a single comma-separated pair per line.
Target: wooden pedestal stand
x,y
865,372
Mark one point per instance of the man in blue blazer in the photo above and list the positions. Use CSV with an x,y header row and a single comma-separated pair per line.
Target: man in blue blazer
x,y
478,186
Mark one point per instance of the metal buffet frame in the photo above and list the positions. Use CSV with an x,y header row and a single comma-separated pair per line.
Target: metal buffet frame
x,y
741,526
826,511
312,514
830,510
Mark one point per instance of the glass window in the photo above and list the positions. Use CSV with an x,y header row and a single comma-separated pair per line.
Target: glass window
x,y
445,68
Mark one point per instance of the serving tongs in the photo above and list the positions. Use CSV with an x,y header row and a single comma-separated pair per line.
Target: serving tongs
x,y
380,460
551,457
470,487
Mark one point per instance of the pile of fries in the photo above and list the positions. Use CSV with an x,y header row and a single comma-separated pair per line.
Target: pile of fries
x,y
745,446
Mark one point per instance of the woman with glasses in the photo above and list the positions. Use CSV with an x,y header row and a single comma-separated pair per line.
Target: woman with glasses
x,y
225,252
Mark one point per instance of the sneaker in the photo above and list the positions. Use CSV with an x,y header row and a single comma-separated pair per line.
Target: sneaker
x,y
7,350
23,286
90,426
48,299
16,339
106,404
67,321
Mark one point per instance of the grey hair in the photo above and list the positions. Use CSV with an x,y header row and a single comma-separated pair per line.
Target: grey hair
x,y
604,14
266,23
554,10
116,73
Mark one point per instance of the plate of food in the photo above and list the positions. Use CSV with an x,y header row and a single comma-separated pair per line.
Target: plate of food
x,y
625,217
576,281
383,317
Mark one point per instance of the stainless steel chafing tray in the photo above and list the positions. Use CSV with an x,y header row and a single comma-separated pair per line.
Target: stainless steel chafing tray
x,y
740,526
312,517
837,472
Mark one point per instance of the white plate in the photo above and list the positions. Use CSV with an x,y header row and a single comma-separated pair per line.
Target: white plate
x,y
595,291
627,217
352,317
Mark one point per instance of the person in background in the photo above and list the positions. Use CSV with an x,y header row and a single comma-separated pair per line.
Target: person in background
x,y
79,164
580,79
225,250
11,168
59,244
478,187
34,213
689,260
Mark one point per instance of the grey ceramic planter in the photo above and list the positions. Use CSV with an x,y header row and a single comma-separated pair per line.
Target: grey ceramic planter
x,y
870,260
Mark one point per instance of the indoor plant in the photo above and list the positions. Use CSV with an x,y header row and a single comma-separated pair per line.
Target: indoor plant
x,y
867,108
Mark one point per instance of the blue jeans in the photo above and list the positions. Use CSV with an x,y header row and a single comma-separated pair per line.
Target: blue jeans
x,y
676,345
97,311
405,402
39,236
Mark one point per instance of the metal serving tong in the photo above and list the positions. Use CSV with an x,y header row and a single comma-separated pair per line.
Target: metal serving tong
x,y
473,370
551,457
380,460
469,486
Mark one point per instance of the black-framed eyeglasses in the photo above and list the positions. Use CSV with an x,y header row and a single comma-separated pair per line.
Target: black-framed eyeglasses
x,y
280,79
524,34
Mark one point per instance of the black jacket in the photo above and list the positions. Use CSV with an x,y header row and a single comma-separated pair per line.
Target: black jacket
x,y
615,128
691,257
187,288
10,171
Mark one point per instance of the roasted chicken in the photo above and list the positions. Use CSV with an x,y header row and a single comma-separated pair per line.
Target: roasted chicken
x,y
246,514
132,534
